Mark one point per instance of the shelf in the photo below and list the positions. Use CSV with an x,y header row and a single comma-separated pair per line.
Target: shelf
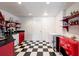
x,y
70,18
8,23
17,23
73,24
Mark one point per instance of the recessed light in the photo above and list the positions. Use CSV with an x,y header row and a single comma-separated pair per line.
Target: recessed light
x,y
19,2
47,3
30,14
45,14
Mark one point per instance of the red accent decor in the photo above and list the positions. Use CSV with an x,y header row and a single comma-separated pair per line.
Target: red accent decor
x,y
21,37
66,27
7,50
1,17
70,46
1,20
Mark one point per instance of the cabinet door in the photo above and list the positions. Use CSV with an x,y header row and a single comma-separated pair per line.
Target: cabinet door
x,y
7,50
21,37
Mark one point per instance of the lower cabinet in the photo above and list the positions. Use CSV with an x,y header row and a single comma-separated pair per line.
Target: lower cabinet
x,y
21,37
68,46
7,50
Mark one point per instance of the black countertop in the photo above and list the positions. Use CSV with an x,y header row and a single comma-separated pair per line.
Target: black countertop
x,y
19,31
5,41
15,32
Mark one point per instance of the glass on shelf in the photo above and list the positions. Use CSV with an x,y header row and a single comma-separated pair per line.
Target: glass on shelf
x,y
65,24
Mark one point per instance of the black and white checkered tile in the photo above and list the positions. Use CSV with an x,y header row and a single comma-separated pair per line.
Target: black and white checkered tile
x,y
35,48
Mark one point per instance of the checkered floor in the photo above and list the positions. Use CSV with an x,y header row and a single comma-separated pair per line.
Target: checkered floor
x,y
37,48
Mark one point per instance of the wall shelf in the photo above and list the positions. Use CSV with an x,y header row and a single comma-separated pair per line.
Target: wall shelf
x,y
71,20
8,23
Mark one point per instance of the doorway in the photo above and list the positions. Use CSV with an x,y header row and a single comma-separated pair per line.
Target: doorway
x,y
41,28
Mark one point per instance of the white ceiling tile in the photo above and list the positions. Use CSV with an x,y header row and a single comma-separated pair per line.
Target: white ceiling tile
x,y
36,8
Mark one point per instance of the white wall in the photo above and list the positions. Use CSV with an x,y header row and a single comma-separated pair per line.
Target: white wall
x,y
73,7
59,23
59,17
32,25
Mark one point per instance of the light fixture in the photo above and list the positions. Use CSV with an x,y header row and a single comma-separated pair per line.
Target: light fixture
x,y
30,14
19,2
47,3
45,14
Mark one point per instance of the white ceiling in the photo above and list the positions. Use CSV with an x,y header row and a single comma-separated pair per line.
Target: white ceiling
x,y
36,8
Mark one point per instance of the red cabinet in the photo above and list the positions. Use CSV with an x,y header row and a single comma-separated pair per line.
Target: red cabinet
x,y
69,45
7,50
21,37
